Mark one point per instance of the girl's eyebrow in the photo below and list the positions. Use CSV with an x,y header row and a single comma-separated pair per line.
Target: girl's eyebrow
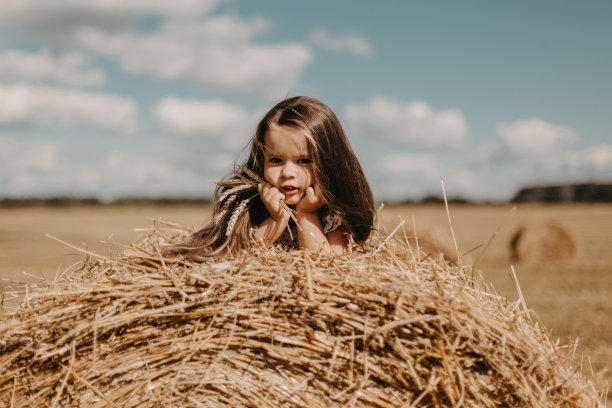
x,y
269,153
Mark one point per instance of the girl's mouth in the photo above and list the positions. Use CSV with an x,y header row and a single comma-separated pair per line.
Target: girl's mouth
x,y
289,190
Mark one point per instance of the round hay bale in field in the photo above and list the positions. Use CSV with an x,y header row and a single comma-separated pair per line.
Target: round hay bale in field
x,y
270,328
542,243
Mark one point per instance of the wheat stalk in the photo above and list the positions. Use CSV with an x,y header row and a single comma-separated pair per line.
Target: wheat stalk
x,y
235,215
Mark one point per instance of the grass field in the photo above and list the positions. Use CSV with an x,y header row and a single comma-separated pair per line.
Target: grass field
x,y
572,299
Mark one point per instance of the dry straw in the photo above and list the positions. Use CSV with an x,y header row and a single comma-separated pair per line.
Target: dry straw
x,y
380,327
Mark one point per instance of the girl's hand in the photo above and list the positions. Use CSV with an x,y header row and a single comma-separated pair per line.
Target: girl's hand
x,y
311,201
271,197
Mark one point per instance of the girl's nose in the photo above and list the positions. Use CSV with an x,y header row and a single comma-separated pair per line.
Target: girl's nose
x,y
288,170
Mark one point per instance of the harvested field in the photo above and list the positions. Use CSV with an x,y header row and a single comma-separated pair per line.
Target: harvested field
x,y
379,328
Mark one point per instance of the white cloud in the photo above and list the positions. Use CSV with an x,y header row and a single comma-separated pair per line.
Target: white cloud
x,y
41,156
24,104
227,30
41,168
231,125
462,182
349,43
184,44
534,137
595,162
600,157
216,52
45,13
71,68
194,116
518,161
137,174
411,165
221,163
405,175
22,164
413,123
398,176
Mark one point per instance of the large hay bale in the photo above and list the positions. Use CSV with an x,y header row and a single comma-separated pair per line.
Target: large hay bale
x,y
270,328
542,243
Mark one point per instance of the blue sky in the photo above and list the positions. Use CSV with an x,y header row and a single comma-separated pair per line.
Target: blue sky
x,y
115,98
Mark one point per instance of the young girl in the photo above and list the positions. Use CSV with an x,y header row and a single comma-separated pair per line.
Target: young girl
x,y
301,187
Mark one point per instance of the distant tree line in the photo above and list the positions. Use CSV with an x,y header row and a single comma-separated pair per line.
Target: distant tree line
x,y
435,199
571,193
92,201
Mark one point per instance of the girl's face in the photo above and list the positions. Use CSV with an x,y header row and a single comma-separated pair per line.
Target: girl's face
x,y
288,163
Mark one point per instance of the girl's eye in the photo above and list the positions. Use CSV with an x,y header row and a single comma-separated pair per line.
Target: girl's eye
x,y
274,160
304,161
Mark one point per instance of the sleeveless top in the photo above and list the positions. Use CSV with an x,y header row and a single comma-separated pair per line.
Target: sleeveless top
x,y
329,221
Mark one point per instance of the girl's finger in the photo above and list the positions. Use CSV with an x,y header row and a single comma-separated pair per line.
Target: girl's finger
x,y
310,193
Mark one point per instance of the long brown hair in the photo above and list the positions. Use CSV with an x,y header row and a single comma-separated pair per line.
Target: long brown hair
x,y
238,207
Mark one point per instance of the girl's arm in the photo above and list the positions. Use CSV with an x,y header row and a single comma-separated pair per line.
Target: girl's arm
x,y
338,241
310,235
273,226
270,229
310,232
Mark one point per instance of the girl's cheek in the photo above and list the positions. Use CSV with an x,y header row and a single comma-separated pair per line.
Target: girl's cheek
x,y
311,176
269,176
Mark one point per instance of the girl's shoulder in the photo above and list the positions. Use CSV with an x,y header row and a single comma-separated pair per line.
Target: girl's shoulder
x,y
329,222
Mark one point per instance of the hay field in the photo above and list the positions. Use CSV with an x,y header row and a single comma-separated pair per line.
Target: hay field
x,y
572,299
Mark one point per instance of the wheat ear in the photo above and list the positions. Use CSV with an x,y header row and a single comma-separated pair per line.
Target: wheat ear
x,y
233,191
219,216
235,215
